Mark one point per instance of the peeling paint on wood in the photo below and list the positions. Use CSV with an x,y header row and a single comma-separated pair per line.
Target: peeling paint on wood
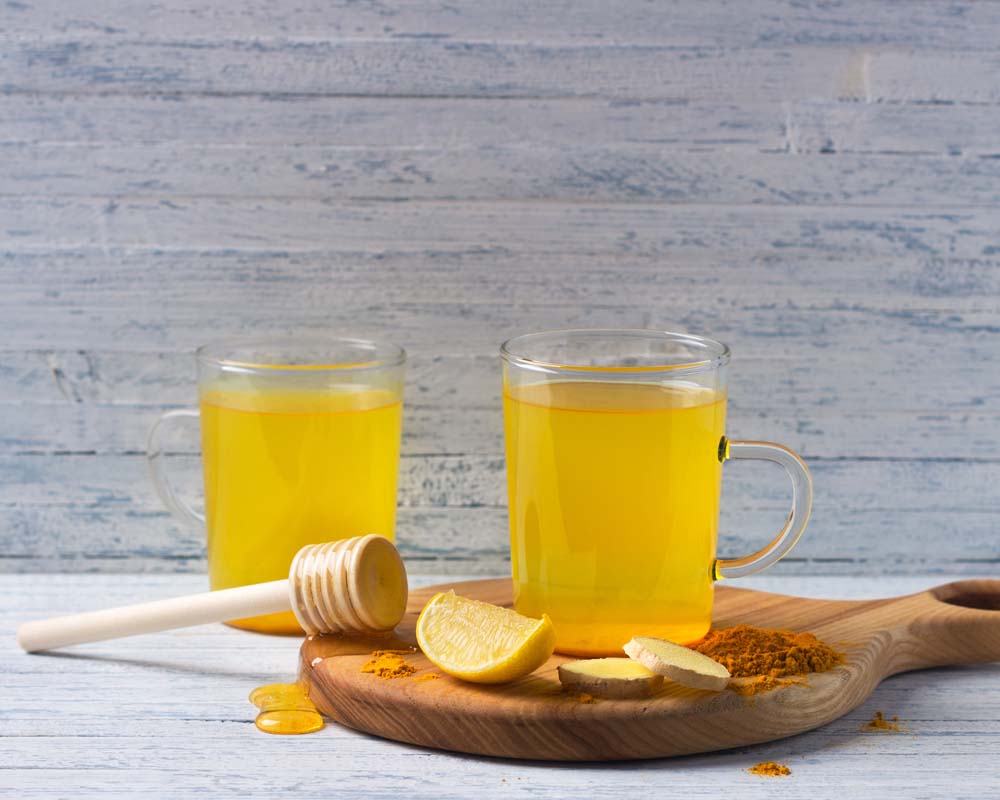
x,y
877,515
474,481
691,125
926,24
624,230
570,172
453,428
470,68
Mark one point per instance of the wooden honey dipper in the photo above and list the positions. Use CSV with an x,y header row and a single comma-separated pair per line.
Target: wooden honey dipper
x,y
350,586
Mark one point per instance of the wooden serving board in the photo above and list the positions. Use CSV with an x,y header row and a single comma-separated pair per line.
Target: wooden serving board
x,y
958,623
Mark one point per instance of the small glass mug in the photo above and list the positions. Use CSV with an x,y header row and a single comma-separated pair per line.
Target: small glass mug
x,y
615,441
300,444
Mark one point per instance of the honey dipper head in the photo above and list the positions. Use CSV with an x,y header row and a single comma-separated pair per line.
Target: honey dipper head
x,y
350,586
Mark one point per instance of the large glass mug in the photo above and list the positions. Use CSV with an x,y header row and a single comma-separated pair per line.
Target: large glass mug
x,y
615,441
300,445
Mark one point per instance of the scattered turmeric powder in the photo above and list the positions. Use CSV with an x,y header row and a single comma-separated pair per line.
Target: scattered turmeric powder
x,y
881,724
430,676
749,652
762,683
389,664
771,769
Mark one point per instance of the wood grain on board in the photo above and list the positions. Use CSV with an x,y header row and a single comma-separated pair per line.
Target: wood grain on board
x,y
814,184
532,718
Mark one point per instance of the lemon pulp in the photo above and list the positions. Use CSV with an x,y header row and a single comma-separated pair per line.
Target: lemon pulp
x,y
481,642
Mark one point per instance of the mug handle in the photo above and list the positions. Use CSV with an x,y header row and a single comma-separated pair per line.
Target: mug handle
x,y
154,456
802,495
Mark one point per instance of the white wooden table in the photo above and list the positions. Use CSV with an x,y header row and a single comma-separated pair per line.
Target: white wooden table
x,y
167,715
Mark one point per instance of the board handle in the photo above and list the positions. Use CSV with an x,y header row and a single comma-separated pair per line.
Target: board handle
x,y
956,623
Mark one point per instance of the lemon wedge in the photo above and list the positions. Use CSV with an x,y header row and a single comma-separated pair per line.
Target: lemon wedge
x,y
481,642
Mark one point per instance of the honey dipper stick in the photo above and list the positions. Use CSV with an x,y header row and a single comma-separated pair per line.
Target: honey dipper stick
x,y
349,586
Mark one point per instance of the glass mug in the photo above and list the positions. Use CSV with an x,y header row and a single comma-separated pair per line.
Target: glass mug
x,y
615,441
300,444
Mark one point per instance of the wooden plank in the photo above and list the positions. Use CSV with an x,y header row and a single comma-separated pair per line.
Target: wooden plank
x,y
71,63
391,122
830,431
919,770
111,537
620,173
784,354
690,23
678,230
923,765
427,430
902,128
81,512
514,274
475,481
811,348
103,402
690,125
475,540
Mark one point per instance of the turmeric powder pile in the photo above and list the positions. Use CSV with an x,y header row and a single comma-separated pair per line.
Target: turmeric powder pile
x,y
766,656
771,769
389,664
881,724
581,697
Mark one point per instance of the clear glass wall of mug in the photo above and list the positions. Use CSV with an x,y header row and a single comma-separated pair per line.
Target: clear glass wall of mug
x,y
615,441
300,444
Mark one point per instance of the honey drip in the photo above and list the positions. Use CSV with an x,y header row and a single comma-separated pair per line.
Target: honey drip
x,y
285,708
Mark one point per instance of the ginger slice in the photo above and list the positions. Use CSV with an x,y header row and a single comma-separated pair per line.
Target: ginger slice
x,y
681,664
614,678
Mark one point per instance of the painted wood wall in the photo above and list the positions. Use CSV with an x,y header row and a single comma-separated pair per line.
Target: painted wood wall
x,y
815,183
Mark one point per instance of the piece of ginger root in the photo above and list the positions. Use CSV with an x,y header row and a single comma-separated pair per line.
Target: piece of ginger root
x,y
613,678
680,664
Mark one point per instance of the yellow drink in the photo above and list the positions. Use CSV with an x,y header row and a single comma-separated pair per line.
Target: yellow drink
x,y
614,502
287,468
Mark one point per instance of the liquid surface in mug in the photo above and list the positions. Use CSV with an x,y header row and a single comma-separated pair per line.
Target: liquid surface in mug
x,y
284,469
614,502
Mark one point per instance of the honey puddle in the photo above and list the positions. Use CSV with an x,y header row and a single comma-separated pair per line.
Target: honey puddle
x,y
285,708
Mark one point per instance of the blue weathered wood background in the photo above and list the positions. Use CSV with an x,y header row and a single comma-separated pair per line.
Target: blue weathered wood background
x,y
815,183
